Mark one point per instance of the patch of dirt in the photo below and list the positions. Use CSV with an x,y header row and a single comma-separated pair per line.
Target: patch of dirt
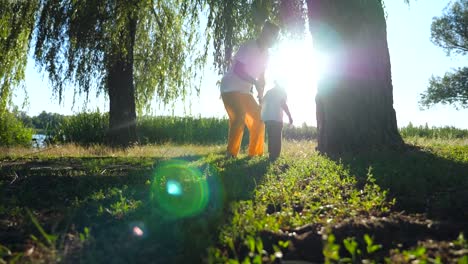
x,y
391,232
447,252
17,169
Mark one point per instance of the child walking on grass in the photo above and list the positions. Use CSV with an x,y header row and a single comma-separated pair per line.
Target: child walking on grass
x,y
273,105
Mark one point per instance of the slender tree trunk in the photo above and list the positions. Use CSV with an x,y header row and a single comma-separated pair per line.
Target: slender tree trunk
x,y
355,97
121,88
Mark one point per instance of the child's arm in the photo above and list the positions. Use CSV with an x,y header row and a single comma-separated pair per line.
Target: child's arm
x,y
286,110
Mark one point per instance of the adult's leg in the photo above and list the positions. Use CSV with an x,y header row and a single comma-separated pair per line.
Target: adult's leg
x,y
274,139
236,113
254,124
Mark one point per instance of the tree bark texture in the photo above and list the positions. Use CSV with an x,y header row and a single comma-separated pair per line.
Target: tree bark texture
x,y
355,96
121,90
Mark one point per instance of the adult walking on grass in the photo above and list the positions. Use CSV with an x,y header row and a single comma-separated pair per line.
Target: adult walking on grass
x,y
247,70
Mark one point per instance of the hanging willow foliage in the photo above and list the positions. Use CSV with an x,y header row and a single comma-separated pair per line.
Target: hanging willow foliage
x,y
74,40
77,42
16,26
232,22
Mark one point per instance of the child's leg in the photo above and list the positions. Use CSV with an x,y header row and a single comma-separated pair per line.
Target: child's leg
x,y
269,129
274,139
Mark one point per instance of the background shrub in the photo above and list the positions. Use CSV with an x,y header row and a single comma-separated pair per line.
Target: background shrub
x,y
13,132
91,128
83,128
303,132
182,130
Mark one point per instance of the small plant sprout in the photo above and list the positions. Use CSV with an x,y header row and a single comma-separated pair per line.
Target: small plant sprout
x,y
370,246
352,247
85,235
331,251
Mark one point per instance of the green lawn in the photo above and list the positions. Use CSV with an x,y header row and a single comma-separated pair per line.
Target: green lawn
x,y
188,204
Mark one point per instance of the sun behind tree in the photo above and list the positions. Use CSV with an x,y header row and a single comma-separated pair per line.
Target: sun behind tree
x,y
296,66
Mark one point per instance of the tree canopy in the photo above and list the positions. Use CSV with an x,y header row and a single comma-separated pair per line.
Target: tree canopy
x,y
16,26
74,39
451,89
77,41
232,22
450,32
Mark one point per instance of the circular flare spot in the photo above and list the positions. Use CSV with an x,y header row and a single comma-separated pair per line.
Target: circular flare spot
x,y
137,231
174,188
179,189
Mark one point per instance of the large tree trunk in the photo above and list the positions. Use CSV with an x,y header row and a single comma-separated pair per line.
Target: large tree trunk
x,y
354,98
121,88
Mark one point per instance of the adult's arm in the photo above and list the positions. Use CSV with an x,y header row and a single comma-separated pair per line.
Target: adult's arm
x,y
239,70
260,86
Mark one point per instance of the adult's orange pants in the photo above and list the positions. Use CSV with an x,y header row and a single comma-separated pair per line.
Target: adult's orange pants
x,y
243,110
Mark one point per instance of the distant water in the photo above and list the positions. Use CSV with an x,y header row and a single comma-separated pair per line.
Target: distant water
x,y
39,141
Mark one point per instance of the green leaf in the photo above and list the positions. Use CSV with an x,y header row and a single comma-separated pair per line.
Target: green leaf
x,y
251,243
257,259
259,245
4,251
463,260
371,248
283,244
50,239
367,239
351,246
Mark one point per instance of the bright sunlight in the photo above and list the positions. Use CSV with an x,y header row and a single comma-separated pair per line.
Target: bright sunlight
x,y
295,65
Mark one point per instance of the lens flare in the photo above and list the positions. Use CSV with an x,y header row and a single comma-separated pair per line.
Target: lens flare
x,y
137,231
179,190
173,188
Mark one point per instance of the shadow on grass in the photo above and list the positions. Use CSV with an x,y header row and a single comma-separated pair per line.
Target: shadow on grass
x,y
419,180
426,185
117,201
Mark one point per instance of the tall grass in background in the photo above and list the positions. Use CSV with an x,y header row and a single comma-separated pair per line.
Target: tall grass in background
x,y
91,128
303,132
447,132
83,128
181,130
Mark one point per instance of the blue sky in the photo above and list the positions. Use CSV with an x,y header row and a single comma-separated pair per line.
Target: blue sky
x,y
413,57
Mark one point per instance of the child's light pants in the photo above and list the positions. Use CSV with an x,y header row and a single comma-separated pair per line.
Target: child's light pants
x,y
242,109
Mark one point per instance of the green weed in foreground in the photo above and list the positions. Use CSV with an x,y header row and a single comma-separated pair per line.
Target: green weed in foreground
x,y
250,201
431,179
303,188
298,192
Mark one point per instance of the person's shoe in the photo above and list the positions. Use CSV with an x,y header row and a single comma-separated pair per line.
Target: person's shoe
x,y
229,155
272,159
254,156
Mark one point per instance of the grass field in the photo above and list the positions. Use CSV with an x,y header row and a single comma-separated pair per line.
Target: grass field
x,y
188,204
